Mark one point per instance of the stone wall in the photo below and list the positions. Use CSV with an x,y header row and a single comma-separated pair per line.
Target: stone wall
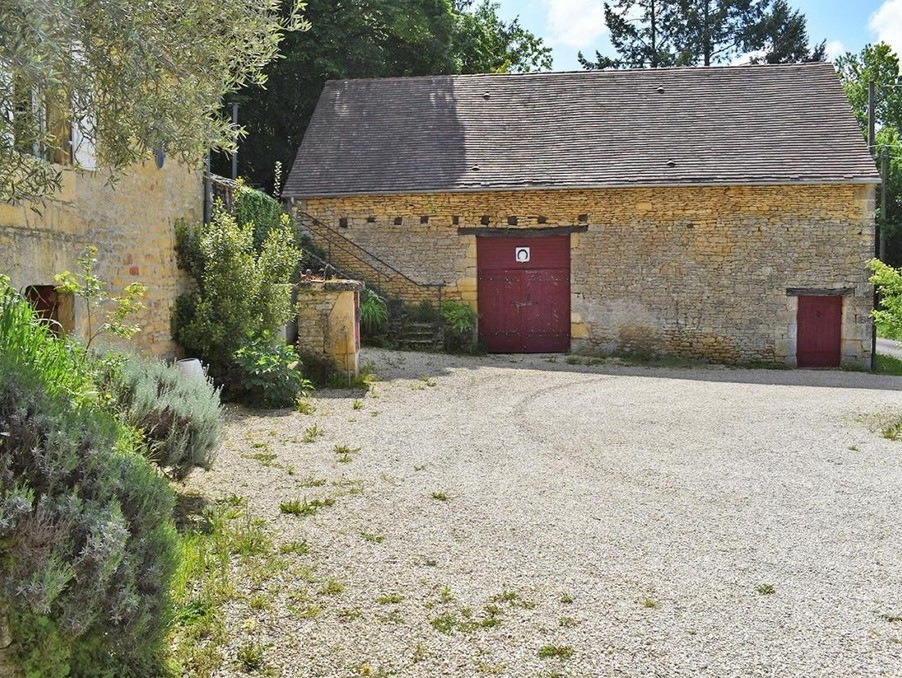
x,y
327,322
130,222
700,271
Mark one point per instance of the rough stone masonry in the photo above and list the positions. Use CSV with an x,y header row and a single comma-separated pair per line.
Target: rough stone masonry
x,y
709,272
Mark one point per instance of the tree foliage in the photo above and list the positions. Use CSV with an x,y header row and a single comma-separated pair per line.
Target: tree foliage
x,y
880,65
655,33
369,39
644,34
130,76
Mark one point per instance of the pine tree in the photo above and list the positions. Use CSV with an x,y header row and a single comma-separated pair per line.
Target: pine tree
x,y
642,32
785,37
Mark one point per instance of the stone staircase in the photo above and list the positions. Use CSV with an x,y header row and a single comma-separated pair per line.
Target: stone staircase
x,y
422,336
348,258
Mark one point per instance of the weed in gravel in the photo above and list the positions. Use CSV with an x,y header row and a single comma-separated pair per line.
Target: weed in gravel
x,y
348,614
344,453
649,603
375,413
310,611
357,404
311,433
298,547
491,669
290,470
892,618
419,654
372,538
259,601
440,496
444,623
854,448
566,598
207,578
512,599
302,507
251,656
445,595
567,622
331,587
311,481
389,599
349,485
265,458
233,500
766,589
249,538
555,652
419,467
304,406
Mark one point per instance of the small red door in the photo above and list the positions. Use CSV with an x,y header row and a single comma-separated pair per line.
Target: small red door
x,y
819,331
524,293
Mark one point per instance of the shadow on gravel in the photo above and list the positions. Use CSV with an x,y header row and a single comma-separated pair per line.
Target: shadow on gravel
x,y
391,365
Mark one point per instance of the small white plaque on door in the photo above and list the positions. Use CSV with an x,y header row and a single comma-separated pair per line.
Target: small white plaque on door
x,y
522,255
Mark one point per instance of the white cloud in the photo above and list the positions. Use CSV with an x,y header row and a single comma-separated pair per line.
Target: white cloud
x,y
886,23
743,59
575,23
834,49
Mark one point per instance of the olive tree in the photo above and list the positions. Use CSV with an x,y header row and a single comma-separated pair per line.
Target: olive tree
x,y
125,77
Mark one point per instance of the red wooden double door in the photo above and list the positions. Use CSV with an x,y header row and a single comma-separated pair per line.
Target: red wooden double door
x,y
524,293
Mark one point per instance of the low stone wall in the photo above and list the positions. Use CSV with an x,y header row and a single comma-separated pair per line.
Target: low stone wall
x,y
700,271
327,322
132,225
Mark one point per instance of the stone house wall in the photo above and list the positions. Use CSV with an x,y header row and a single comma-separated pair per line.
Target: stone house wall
x,y
132,225
699,271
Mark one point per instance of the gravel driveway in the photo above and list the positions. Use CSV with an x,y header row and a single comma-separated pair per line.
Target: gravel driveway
x,y
525,516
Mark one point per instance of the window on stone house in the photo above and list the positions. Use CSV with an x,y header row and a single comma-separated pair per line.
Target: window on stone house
x,y
43,126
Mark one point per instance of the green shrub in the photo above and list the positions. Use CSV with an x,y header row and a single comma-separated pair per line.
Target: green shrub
x,y
180,419
373,314
240,291
460,321
458,316
423,312
270,373
87,544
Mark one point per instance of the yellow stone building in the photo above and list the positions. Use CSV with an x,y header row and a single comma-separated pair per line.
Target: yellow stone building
x,y
131,223
722,213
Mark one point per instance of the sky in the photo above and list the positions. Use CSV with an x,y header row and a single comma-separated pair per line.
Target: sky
x,y
569,26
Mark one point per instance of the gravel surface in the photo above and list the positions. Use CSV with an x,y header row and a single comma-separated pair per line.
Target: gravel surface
x,y
625,520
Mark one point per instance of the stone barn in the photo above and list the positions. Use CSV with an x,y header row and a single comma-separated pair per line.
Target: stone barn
x,y
723,213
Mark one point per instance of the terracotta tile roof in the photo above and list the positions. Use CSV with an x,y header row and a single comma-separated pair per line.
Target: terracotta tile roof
x,y
727,125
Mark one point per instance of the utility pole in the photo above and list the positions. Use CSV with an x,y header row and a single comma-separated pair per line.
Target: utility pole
x,y
872,118
884,175
235,127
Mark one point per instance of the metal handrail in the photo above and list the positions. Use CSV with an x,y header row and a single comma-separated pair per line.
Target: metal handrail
x,y
349,247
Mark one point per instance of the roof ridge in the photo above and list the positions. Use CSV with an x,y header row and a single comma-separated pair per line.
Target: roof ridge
x,y
600,72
